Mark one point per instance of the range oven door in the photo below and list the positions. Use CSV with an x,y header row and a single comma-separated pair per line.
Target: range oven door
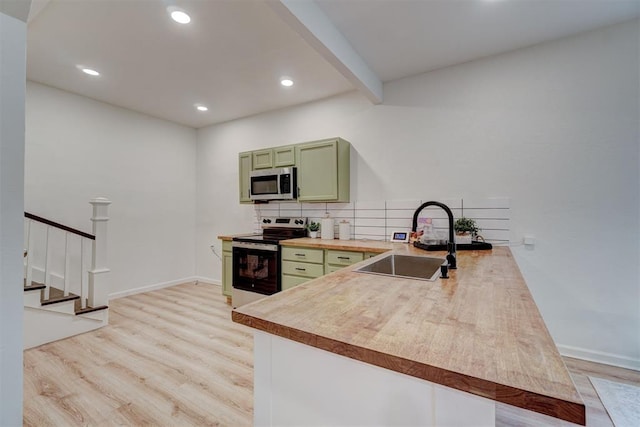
x,y
256,267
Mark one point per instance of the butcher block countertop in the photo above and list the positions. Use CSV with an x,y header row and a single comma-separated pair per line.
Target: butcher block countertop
x,y
478,331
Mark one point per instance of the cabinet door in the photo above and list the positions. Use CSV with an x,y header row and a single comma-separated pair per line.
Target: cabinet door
x,y
318,171
245,171
343,258
331,268
292,281
263,159
284,156
227,273
302,269
295,253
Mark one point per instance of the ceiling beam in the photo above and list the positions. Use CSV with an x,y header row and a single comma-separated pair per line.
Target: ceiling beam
x,y
37,6
314,26
18,9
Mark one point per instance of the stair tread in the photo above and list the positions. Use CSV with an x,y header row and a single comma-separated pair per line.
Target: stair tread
x,y
90,309
33,286
56,295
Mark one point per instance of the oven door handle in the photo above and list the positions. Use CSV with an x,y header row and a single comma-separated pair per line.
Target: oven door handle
x,y
255,246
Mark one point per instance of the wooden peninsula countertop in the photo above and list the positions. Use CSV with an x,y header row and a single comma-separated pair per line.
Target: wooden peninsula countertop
x,y
478,331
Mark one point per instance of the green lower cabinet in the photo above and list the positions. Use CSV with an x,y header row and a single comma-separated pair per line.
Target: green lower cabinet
x,y
302,269
300,265
343,258
292,281
340,259
227,268
331,268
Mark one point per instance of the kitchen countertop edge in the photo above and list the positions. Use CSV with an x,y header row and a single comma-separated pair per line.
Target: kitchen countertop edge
x,y
562,408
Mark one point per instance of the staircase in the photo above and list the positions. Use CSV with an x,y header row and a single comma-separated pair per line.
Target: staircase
x,y
65,285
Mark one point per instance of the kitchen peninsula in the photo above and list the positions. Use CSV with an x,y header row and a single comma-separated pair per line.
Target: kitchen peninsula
x,y
479,334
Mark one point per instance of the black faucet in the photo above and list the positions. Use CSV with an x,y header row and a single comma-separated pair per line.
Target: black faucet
x,y
451,244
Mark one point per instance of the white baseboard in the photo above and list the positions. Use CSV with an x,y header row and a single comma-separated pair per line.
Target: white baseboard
x,y
207,280
599,357
162,285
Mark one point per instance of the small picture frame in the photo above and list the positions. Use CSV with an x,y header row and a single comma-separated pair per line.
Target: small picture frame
x,y
399,236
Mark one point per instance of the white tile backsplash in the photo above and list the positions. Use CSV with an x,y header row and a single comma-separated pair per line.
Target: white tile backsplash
x,y
398,223
488,213
374,220
371,204
410,205
370,222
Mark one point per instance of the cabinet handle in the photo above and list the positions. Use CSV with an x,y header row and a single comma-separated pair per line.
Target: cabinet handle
x,y
301,269
344,257
299,254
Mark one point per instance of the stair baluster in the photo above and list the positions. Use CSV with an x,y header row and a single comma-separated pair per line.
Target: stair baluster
x,y
47,262
29,257
67,261
84,291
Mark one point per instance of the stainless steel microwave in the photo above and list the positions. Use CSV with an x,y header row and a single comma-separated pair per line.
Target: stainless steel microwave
x,y
274,184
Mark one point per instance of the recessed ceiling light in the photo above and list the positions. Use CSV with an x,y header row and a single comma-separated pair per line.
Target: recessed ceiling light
x,y
286,81
201,108
179,15
89,71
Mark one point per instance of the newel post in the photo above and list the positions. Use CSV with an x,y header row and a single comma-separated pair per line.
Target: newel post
x,y
98,277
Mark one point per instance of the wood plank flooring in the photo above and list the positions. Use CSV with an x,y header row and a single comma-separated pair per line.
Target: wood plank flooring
x,y
174,358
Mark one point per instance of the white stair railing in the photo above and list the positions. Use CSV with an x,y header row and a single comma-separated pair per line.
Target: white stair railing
x,y
92,286
98,275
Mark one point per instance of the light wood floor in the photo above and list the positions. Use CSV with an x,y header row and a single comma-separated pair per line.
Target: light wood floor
x,y
174,358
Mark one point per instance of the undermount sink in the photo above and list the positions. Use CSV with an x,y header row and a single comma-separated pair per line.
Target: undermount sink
x,y
405,266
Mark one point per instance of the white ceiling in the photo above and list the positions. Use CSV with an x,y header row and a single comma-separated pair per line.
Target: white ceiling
x,y
232,54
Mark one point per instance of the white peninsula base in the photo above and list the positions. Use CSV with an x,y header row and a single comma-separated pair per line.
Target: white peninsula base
x,y
296,384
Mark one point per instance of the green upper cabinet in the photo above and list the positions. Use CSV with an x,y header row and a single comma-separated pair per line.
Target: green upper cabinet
x,y
323,171
263,159
323,168
284,156
245,171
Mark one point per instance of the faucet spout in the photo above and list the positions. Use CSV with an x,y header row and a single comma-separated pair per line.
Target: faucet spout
x,y
451,244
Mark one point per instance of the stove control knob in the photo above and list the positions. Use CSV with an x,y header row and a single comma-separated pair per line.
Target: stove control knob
x,y
269,221
264,220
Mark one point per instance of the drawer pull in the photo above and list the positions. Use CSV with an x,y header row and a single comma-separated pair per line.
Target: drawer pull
x,y
344,257
299,254
301,269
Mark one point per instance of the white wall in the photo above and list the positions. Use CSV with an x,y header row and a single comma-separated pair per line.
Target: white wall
x,y
78,148
12,98
553,127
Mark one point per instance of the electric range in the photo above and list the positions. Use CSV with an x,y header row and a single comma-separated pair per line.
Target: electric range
x,y
256,258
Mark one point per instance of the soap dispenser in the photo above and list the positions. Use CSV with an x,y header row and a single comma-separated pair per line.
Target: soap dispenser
x,y
429,237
